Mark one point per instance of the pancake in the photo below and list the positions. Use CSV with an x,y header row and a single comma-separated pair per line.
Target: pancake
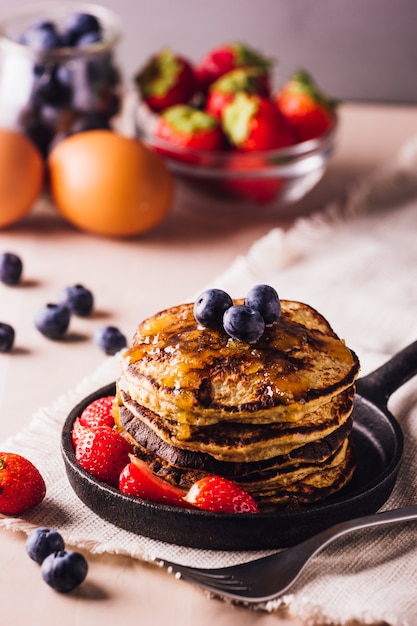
x,y
303,482
178,463
230,441
275,415
196,376
319,485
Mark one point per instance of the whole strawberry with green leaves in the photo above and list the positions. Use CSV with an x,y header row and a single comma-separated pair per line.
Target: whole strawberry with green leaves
x,y
21,484
188,127
165,80
308,110
247,79
254,123
227,57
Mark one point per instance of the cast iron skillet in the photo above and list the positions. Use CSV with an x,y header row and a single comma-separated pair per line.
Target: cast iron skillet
x,y
378,441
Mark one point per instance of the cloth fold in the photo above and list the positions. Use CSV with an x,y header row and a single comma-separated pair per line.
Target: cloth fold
x,y
356,263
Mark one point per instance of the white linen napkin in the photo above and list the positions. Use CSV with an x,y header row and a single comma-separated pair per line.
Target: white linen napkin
x,y
357,264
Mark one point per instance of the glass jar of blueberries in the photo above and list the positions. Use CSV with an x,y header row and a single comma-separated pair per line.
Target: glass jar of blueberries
x,y
58,71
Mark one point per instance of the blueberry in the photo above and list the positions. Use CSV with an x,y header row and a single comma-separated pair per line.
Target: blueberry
x,y
210,307
265,299
42,542
110,339
87,39
50,87
80,24
64,570
79,299
11,268
244,323
52,320
41,35
6,337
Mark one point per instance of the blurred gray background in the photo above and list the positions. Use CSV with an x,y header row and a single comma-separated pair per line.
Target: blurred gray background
x,y
363,50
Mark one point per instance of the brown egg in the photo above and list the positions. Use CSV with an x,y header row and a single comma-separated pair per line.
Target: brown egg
x,y
109,184
21,176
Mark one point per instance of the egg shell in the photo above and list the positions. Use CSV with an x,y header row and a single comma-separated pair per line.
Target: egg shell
x,y
21,176
109,184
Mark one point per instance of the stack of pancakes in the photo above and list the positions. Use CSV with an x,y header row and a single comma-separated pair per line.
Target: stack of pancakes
x,y
274,416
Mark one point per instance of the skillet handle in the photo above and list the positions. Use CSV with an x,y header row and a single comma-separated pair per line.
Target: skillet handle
x,y
382,382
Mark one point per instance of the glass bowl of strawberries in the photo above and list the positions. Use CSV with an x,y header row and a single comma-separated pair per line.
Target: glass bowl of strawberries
x,y
231,130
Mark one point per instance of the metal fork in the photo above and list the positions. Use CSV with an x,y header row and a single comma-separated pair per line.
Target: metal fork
x,y
268,577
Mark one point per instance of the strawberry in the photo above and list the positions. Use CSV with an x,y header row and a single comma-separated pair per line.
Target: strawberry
x,y
189,128
21,484
167,79
308,109
225,58
261,191
244,185
98,413
138,480
247,79
103,452
220,495
77,430
254,123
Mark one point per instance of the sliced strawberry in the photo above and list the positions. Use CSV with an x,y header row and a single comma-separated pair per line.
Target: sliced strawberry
x,y
103,452
308,109
98,413
246,79
220,495
21,485
167,79
254,123
225,58
187,127
138,480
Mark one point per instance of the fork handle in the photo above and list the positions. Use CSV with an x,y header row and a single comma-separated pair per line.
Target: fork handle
x,y
322,539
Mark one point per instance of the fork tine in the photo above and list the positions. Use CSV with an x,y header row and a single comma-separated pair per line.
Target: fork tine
x,y
189,572
244,583
217,581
